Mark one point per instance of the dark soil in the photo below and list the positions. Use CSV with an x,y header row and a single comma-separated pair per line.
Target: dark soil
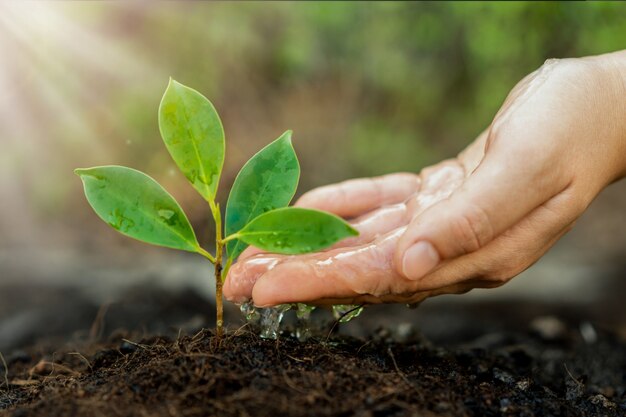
x,y
146,355
549,369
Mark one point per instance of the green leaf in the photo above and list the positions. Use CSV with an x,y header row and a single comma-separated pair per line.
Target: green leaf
x,y
294,230
137,206
266,182
194,136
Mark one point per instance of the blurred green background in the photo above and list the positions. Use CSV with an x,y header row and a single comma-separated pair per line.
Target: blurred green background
x,y
368,88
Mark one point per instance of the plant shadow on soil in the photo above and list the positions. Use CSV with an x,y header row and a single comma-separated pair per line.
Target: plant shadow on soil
x,y
538,361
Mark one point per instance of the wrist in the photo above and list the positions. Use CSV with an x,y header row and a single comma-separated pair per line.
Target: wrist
x,y
613,70
607,96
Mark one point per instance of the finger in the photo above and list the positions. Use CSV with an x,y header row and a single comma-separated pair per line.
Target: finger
x,y
471,157
498,194
355,197
502,259
338,274
375,224
370,226
243,275
437,183
512,252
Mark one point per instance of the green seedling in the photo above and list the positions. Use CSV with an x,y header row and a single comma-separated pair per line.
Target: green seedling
x,y
256,211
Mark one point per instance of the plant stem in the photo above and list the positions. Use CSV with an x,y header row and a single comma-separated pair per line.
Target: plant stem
x,y
219,246
229,261
206,255
231,237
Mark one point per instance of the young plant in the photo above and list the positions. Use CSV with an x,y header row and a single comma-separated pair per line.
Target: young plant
x,y
256,212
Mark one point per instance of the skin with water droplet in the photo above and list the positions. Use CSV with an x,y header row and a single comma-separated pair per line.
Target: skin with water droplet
x,y
252,265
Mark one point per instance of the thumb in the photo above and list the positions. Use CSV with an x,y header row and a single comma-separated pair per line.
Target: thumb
x,y
497,195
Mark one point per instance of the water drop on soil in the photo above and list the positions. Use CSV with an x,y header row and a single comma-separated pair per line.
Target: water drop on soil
x,y
303,313
270,320
250,312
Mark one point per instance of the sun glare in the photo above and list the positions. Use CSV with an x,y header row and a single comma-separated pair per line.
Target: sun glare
x,y
52,67
58,64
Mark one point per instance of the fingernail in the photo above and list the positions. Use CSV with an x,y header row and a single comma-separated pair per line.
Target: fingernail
x,y
419,259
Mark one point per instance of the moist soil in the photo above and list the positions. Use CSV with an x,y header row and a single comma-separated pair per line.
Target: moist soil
x,y
550,366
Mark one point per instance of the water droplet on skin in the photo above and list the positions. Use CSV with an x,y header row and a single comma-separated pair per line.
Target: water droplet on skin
x,y
346,312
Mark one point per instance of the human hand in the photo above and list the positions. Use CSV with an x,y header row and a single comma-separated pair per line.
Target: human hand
x,y
475,221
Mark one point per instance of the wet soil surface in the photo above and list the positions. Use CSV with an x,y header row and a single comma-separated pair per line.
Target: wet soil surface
x,y
499,359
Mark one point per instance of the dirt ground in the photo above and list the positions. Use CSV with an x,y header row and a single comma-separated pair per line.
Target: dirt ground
x,y
148,355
